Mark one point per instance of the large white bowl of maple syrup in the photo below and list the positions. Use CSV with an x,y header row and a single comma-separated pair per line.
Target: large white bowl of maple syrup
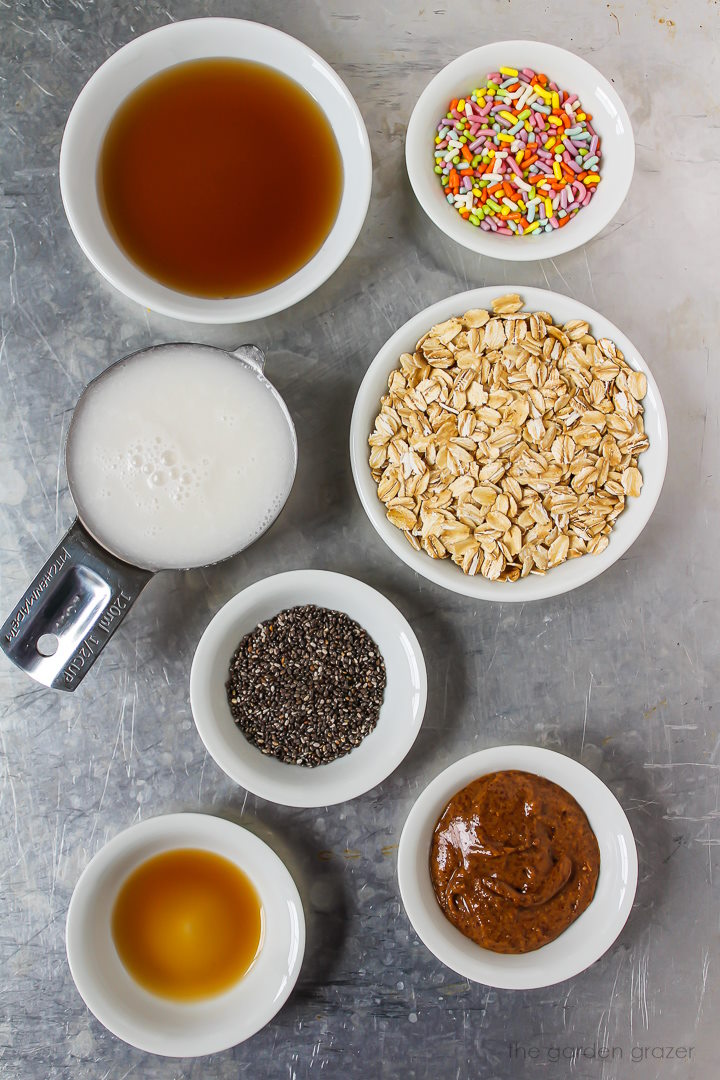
x,y
215,170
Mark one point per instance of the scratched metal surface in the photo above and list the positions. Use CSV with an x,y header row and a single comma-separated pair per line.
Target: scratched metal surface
x,y
622,674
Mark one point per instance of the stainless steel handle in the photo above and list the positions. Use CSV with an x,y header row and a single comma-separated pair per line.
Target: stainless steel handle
x,y
70,611
80,597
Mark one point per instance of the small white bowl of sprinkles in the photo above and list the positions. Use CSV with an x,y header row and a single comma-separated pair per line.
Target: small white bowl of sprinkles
x,y
520,150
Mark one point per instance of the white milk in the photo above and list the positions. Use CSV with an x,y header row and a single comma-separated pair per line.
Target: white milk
x,y
179,458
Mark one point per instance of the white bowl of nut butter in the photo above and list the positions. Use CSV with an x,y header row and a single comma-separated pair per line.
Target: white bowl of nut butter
x,y
517,867
509,443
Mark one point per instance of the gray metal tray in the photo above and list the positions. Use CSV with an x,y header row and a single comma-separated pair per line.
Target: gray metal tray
x,y
623,674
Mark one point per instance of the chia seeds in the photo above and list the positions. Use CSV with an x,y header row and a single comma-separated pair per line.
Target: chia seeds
x,y
306,686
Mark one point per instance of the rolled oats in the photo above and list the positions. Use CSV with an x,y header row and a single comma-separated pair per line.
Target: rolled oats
x,y
507,443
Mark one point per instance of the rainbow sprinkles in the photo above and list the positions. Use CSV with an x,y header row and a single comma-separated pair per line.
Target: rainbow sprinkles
x,y
517,155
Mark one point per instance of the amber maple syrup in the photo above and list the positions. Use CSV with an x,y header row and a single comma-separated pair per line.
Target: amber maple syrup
x,y
187,924
220,177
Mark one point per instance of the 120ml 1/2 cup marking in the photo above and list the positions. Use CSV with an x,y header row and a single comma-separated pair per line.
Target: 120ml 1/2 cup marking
x,y
91,646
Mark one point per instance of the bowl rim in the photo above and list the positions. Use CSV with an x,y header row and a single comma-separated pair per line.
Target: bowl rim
x,y
134,283
525,971
173,831
549,245
337,781
553,583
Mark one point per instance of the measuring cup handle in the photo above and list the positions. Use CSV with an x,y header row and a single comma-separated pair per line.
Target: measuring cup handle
x,y
70,611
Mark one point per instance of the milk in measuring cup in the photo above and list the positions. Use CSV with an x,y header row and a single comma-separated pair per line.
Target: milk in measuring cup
x,y
179,457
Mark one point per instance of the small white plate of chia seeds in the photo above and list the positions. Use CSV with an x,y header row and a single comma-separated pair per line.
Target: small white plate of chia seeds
x,y
356,771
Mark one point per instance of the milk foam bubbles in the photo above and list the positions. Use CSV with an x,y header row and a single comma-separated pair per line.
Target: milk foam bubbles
x,y
179,457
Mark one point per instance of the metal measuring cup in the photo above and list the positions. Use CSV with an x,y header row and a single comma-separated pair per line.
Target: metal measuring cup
x,y
79,598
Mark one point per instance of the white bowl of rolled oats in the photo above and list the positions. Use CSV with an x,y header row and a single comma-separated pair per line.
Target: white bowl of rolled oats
x,y
509,447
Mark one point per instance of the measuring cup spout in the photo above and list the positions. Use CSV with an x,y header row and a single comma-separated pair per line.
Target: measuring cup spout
x,y
252,355
70,611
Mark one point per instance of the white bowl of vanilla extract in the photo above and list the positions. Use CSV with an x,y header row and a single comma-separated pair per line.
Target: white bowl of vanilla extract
x,y
185,934
215,170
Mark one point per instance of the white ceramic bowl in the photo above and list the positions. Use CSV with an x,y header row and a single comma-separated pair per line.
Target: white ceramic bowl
x,y
152,1023
571,73
586,939
570,574
163,48
378,754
